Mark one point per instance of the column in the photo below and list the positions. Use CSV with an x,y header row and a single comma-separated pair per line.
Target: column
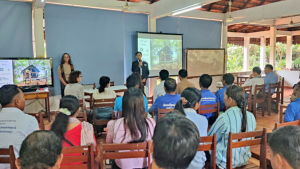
x,y
272,46
289,52
246,53
152,24
38,33
224,41
262,52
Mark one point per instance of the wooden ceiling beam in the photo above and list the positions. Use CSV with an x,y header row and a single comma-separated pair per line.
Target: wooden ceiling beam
x,y
245,4
226,7
210,6
261,2
241,28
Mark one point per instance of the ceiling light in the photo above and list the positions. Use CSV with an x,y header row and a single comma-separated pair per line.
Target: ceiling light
x,y
229,19
187,10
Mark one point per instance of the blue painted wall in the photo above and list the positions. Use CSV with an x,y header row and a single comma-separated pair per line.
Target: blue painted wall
x,y
15,29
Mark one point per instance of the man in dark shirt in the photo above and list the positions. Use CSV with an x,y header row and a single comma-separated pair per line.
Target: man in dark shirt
x,y
140,67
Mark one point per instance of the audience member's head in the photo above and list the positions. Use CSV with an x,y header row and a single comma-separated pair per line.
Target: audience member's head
x,y
296,92
285,148
68,107
256,71
235,96
227,79
163,74
134,114
104,83
75,77
65,58
175,141
205,81
182,74
190,98
132,81
12,96
170,86
268,68
40,150
138,55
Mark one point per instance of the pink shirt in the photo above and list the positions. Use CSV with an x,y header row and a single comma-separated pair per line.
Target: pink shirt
x,y
115,134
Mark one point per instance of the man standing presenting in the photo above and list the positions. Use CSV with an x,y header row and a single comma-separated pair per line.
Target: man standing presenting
x,y
140,67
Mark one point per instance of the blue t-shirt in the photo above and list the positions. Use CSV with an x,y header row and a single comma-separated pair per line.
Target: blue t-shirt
x,y
220,97
207,97
118,104
164,102
292,112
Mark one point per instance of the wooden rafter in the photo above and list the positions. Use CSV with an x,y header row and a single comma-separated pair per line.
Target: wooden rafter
x,y
261,2
241,28
210,6
226,7
245,4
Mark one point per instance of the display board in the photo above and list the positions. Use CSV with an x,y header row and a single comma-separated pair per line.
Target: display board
x,y
205,61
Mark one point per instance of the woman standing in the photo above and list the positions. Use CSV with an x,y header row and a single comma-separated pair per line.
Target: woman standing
x,y
64,70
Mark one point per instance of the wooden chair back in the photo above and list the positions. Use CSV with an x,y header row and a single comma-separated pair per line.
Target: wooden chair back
x,y
162,112
112,83
281,112
275,86
261,99
82,115
281,89
84,156
88,97
7,155
89,86
211,108
150,100
262,141
209,143
248,89
40,118
123,151
292,123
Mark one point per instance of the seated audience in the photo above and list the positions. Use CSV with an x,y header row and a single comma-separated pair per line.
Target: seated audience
x,y
292,112
141,84
285,148
207,97
68,128
227,80
15,124
270,77
104,92
74,88
188,105
253,80
236,120
184,83
167,101
40,150
131,81
133,127
175,142
159,89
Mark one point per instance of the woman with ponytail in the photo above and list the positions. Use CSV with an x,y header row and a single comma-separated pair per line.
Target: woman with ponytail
x,y
236,120
104,92
188,106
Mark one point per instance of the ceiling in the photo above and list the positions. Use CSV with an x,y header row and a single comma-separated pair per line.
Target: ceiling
x,y
147,1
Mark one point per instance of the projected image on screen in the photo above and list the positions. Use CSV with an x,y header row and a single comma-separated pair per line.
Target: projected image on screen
x,y
32,72
161,51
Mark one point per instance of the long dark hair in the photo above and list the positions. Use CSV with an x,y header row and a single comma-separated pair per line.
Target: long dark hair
x,y
141,85
134,115
59,126
62,61
192,95
238,95
103,81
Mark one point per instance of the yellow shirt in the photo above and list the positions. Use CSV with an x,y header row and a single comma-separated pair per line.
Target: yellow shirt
x,y
183,85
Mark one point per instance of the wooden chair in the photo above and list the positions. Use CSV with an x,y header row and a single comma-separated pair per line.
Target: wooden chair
x,y
84,156
98,103
262,99
112,151
150,101
162,112
112,83
89,86
9,156
281,113
82,115
89,99
275,86
211,108
244,143
209,143
281,89
248,89
292,123
40,118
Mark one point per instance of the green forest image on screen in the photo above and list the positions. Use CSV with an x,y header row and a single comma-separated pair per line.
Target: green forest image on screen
x,y
32,72
166,54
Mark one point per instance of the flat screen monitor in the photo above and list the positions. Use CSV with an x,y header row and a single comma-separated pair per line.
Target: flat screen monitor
x,y
26,72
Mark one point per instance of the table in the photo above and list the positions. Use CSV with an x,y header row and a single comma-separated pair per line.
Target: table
x,y
39,95
255,150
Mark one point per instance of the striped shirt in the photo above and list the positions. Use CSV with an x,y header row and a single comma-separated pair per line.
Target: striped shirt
x,y
231,121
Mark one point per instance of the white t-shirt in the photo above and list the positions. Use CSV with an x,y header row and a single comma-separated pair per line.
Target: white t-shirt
x,y
107,94
253,82
146,91
159,91
15,126
75,89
